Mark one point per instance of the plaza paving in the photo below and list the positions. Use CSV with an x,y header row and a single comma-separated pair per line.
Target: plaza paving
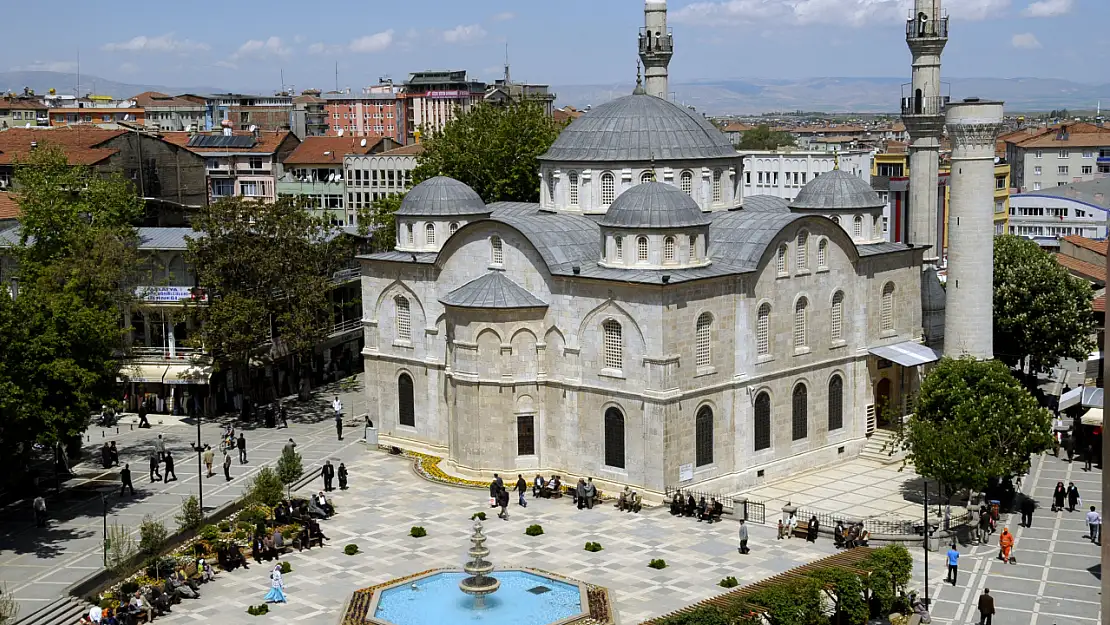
x,y
36,565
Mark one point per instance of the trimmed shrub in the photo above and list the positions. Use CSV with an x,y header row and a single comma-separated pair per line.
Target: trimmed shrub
x,y
128,588
658,563
152,535
224,526
209,532
728,582
160,568
417,532
258,610
534,530
351,549
286,567
594,547
481,516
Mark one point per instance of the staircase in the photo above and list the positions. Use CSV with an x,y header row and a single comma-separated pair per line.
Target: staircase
x,y
882,447
66,611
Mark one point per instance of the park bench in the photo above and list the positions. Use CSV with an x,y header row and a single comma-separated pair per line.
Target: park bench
x,y
802,529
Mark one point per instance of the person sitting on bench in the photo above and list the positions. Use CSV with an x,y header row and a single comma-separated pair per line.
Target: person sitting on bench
x,y
838,534
852,541
707,512
537,486
676,503
635,502
691,506
700,510
864,536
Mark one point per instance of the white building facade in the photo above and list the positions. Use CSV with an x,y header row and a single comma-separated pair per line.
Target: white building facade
x,y
1074,209
783,174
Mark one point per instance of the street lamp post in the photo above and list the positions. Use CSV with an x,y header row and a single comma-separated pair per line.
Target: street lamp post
x,y
925,540
200,469
104,518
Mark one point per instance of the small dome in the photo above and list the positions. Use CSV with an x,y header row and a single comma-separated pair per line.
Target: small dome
x,y
766,204
837,190
442,197
654,205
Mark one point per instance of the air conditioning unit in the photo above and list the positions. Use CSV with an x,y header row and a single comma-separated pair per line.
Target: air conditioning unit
x,y
3,184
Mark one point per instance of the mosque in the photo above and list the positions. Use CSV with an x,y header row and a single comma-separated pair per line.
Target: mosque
x,y
643,324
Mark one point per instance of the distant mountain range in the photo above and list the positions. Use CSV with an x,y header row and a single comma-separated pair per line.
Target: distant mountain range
x,y
713,97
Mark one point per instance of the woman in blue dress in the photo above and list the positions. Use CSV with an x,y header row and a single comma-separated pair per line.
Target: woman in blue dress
x,y
277,586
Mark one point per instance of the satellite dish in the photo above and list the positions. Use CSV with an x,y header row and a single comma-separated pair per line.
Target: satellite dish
x,y
340,132
28,126
253,128
362,143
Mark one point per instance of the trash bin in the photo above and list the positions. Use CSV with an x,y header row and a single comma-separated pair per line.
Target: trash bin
x,y
370,434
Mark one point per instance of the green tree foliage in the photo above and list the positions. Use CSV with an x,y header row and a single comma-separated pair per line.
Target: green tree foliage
x,y
379,223
266,488
890,570
290,468
121,547
493,149
974,421
763,138
796,602
191,516
268,270
847,590
152,536
60,337
1042,313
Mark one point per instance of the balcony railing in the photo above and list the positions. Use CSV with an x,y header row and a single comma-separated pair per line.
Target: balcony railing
x,y
932,106
160,354
917,28
343,327
650,43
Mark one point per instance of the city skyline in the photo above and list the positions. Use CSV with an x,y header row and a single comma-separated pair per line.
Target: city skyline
x,y
580,43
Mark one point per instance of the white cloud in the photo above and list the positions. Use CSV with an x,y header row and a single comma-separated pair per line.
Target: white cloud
x,y
1048,8
161,43
226,65
503,17
262,49
373,43
853,13
1026,41
464,34
128,68
47,66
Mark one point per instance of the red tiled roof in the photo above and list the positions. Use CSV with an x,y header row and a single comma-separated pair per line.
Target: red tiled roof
x,y
9,104
312,150
268,143
154,98
1098,247
738,127
1099,305
80,143
1080,134
1082,268
8,207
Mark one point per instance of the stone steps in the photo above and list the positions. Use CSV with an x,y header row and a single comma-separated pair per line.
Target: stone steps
x,y
66,611
882,447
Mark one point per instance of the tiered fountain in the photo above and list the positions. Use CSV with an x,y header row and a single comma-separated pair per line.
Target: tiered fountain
x,y
479,584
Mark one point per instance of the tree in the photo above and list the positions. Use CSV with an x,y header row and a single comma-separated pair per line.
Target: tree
x,y
493,149
191,516
266,488
290,468
974,421
763,138
268,271
1042,313
152,536
60,337
380,217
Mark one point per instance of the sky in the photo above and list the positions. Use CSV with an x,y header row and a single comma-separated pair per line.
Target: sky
x,y
251,44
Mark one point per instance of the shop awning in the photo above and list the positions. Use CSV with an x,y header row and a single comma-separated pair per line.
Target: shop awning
x,y
1093,417
1086,396
1071,398
907,354
142,373
187,374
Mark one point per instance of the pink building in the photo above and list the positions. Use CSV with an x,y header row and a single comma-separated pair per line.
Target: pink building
x,y
242,163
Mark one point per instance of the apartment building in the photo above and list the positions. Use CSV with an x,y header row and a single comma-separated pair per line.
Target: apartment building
x,y
310,115
22,112
375,112
433,98
1047,215
783,173
245,111
102,111
315,171
375,176
1050,157
169,113
241,164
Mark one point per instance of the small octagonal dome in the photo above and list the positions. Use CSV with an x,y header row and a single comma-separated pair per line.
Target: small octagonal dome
x,y
837,191
654,205
442,197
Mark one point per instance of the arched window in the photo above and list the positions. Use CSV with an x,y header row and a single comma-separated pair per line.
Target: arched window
x,y
876,227
717,193
614,438
429,234
780,260
408,233
799,421
693,251
836,219
614,344
703,437
886,314
801,253
572,187
497,250
647,176
404,318
550,188
836,317
763,330
641,248
668,249
406,404
619,243
857,227
608,189
836,403
800,322
454,227
703,338
822,253
686,182
762,433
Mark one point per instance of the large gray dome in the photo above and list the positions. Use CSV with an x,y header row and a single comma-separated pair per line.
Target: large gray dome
x,y
835,191
442,197
639,128
654,205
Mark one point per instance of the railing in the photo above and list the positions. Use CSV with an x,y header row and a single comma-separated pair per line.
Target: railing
x,y
652,43
754,511
887,526
932,105
163,353
917,28
349,325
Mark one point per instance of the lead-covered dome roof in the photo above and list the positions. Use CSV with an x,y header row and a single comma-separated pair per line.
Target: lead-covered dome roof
x,y
442,197
654,205
639,128
837,190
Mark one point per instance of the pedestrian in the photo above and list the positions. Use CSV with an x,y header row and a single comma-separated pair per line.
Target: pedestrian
x,y
289,447
160,447
1069,446
342,473
811,529
283,414
328,473
1088,455
105,456
591,493
1074,500
782,531
154,472
503,501
143,423
113,453
169,468
125,480
792,525
1028,505
953,564
521,488
39,505
986,607
241,444
1094,523
493,492
227,466
1058,495
743,549
277,586
580,493
337,406
209,457
1005,544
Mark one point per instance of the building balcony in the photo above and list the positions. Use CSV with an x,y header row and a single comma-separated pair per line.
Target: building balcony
x,y
650,44
931,106
165,354
918,29
296,187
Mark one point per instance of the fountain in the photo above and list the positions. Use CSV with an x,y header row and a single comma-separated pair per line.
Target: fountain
x,y
479,584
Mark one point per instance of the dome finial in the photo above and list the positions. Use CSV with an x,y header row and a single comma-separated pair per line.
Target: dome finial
x,y
639,90
836,161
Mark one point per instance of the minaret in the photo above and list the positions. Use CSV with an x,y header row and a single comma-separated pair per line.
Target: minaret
x,y
973,127
656,47
923,114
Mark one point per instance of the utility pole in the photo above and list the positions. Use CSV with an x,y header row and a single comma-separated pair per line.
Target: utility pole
x,y
104,516
200,469
925,539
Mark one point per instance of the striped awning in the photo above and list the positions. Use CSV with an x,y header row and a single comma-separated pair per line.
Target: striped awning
x,y
907,354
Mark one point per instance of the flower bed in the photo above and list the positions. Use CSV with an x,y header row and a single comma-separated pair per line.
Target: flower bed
x,y
427,467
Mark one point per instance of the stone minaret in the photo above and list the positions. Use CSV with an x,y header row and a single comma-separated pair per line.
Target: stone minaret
x,y
923,114
973,127
656,47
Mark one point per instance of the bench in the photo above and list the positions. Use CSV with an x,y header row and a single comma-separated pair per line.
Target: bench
x,y
802,529
725,509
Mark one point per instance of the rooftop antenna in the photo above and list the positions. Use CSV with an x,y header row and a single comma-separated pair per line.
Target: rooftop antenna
x,y
77,87
282,74
337,79
507,80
